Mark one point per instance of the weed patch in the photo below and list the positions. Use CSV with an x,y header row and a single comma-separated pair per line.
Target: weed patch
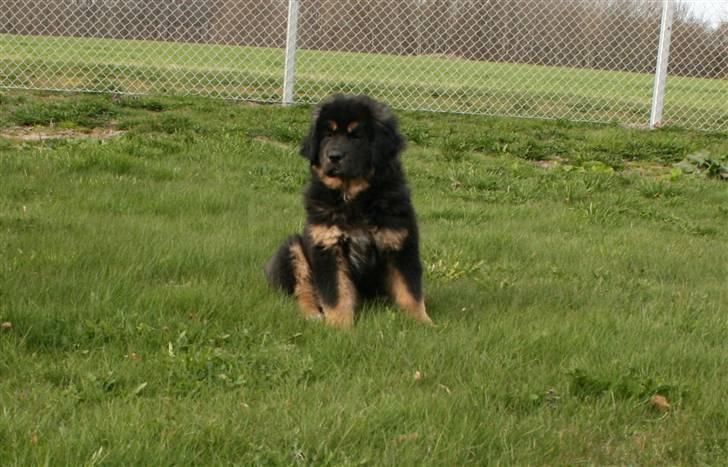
x,y
632,384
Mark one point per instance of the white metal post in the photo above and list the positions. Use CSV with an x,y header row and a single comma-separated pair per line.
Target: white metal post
x,y
289,74
663,56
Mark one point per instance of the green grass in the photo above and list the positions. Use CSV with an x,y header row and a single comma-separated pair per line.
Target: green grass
x,y
412,83
573,273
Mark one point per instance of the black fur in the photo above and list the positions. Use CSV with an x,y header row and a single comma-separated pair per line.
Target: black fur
x,y
369,155
280,273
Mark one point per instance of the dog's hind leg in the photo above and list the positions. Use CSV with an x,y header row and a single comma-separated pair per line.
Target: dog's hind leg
x,y
289,270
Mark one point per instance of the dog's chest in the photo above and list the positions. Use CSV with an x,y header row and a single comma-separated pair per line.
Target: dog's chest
x,y
360,248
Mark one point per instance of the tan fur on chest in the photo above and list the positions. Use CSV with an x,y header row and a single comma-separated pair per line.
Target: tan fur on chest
x,y
389,239
385,239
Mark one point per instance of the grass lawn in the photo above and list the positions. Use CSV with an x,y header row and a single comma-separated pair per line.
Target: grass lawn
x,y
574,273
412,83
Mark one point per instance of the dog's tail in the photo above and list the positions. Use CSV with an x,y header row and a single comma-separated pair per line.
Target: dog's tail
x,y
280,269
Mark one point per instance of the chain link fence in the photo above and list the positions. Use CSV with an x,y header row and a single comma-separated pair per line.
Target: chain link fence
x,y
591,60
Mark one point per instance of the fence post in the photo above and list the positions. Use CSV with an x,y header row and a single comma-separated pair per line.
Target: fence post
x,y
289,73
663,56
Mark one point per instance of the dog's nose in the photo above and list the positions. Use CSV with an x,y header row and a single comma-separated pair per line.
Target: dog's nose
x,y
336,156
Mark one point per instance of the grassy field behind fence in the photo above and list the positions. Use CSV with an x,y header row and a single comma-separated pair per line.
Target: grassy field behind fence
x,y
415,83
573,270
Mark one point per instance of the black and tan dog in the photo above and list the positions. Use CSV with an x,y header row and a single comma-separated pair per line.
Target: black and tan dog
x,y
360,239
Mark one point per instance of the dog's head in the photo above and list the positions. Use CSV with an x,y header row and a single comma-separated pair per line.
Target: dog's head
x,y
351,137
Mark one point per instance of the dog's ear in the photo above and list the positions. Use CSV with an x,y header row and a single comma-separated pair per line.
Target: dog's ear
x,y
388,141
310,144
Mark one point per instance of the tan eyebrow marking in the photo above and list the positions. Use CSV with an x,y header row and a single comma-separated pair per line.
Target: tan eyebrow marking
x,y
333,125
352,126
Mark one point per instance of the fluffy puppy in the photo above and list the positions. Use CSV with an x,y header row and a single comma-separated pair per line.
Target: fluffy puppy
x,y
360,239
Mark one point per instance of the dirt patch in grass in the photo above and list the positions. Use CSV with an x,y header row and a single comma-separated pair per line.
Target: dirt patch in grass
x,y
646,168
274,143
43,133
551,162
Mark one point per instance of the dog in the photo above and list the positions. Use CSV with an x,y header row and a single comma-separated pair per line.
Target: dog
x,y
360,238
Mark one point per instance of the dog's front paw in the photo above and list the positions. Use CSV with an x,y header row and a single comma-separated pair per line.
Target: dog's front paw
x,y
341,319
